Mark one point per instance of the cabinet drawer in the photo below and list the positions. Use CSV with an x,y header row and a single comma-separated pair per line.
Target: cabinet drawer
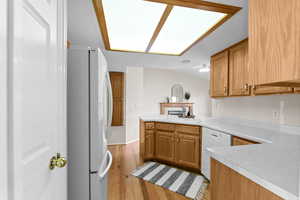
x,y
195,130
237,141
165,127
149,132
149,125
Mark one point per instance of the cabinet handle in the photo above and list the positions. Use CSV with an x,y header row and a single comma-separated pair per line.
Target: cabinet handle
x,y
246,86
225,89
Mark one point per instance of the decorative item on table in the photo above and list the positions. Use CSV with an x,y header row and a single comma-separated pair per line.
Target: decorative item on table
x,y
187,95
177,91
173,99
168,99
190,115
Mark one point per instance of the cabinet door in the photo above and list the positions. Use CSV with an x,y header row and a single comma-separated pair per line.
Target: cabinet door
x,y
239,70
187,150
274,40
142,139
165,146
149,145
262,90
219,75
227,184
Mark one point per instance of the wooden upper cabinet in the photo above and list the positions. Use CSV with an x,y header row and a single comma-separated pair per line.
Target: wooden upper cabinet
x,y
117,84
219,75
165,146
274,38
239,73
264,90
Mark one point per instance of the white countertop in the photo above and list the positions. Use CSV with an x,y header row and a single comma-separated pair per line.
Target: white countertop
x,y
274,164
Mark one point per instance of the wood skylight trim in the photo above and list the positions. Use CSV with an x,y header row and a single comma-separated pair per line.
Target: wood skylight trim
x,y
197,4
161,23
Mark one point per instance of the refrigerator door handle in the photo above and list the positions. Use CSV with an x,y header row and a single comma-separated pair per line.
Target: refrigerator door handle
x,y
102,175
110,96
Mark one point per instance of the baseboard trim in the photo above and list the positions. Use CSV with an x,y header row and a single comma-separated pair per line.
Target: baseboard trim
x,y
123,143
111,144
131,141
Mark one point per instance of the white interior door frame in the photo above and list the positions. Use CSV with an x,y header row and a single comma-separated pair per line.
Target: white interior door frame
x,y
3,99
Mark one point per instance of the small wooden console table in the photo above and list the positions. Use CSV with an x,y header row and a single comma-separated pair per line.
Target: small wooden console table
x,y
181,105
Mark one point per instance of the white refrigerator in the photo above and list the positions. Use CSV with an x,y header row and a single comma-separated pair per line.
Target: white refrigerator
x,y
89,119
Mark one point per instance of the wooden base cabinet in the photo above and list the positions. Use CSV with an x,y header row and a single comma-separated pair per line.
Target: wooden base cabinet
x,y
173,143
147,140
165,146
237,141
227,184
187,150
149,144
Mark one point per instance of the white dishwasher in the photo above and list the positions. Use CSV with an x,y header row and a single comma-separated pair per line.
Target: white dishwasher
x,y
211,138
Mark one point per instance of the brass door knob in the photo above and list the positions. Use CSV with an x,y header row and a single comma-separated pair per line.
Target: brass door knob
x,y
57,161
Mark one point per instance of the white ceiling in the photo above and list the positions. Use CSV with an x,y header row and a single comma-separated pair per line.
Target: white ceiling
x,y
83,29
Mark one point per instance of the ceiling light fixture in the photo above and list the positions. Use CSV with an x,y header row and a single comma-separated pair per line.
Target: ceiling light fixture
x,y
205,68
185,61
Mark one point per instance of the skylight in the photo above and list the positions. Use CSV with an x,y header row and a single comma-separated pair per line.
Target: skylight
x,y
183,27
158,26
130,23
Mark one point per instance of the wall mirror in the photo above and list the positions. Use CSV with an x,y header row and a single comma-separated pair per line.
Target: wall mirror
x,y
177,93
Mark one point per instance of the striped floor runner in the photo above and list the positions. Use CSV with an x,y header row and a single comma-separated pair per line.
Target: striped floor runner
x,y
185,183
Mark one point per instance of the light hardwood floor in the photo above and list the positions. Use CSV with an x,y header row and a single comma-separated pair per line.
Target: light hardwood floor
x,y
123,186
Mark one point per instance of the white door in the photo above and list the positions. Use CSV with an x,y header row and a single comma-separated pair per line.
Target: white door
x,y
37,96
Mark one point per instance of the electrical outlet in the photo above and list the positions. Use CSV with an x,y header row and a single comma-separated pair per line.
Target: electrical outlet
x,y
281,113
276,115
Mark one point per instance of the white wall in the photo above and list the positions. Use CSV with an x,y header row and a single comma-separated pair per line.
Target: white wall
x,y
146,88
134,102
117,135
158,84
281,109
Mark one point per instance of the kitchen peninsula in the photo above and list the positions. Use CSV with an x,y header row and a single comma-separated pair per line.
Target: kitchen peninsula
x,y
271,162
